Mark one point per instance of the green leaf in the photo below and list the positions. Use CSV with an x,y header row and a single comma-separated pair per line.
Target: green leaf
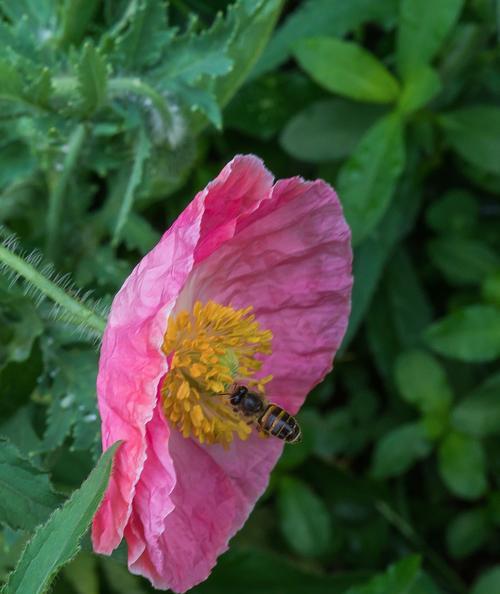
x,y
467,533
398,579
92,78
26,496
463,260
58,541
421,381
346,68
422,85
478,414
146,36
81,573
11,83
327,130
474,133
321,17
462,465
423,27
304,519
489,582
366,182
456,213
470,334
73,399
490,289
399,449
75,18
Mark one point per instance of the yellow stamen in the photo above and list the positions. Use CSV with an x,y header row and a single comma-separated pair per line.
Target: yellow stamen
x,y
210,349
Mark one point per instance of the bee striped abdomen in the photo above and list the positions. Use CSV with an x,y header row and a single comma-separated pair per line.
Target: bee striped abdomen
x,y
277,422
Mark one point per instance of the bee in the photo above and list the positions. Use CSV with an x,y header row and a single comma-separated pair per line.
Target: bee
x,y
270,418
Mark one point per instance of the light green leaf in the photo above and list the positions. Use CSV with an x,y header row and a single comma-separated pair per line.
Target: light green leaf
x,y
469,334
489,582
421,381
92,78
304,519
423,27
11,83
346,68
478,414
366,182
462,465
399,449
398,579
474,133
26,497
462,260
58,540
422,85
321,17
467,533
327,130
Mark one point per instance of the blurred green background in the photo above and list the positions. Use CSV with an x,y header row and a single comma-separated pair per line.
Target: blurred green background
x,y
113,114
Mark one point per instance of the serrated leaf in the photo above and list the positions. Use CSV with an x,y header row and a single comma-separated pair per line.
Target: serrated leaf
x,y
327,130
469,334
58,540
399,449
423,27
92,74
146,36
304,519
11,84
398,579
422,381
462,465
366,182
73,406
347,69
74,20
474,133
26,496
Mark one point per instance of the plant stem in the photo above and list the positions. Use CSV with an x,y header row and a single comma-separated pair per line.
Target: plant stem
x,y
452,579
57,194
78,310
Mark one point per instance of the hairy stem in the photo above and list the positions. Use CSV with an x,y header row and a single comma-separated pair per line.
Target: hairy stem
x,y
56,198
74,307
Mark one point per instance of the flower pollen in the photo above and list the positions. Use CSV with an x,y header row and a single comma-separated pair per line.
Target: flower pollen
x,y
209,350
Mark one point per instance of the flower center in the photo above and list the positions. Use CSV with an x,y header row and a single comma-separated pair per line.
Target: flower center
x,y
209,350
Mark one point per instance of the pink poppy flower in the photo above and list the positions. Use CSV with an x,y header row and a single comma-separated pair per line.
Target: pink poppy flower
x,y
250,285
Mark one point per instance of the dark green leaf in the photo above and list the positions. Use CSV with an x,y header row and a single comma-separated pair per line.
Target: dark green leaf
x,y
366,182
398,579
346,68
304,519
474,133
478,414
462,465
467,533
420,87
422,382
470,334
81,573
455,213
489,582
26,497
58,541
399,449
20,326
327,130
423,27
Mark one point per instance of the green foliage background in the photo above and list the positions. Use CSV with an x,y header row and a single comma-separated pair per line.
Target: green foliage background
x,y
112,116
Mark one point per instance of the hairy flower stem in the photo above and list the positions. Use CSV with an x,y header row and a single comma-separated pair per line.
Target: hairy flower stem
x,y
87,317
56,198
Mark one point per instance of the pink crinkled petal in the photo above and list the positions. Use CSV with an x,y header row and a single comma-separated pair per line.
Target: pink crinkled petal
x,y
290,259
131,363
